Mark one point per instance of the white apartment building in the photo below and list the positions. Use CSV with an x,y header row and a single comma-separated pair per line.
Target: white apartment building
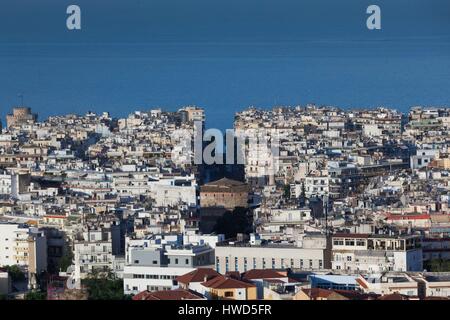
x,y
389,283
316,185
166,191
23,246
423,158
435,284
284,223
154,264
173,191
290,215
313,253
93,251
376,253
5,184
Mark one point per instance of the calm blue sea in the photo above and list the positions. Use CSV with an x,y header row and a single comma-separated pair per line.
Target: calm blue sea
x,y
222,55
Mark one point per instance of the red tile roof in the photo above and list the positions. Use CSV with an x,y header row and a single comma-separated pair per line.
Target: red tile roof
x,y
393,296
362,283
178,294
221,282
408,217
315,293
262,274
197,275
351,235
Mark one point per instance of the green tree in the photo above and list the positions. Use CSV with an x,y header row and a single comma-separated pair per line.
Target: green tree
x,y
66,260
15,273
438,265
36,295
104,286
287,191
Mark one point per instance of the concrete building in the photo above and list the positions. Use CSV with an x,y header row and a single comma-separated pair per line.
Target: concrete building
x,y
376,253
228,288
313,253
389,283
225,193
23,246
435,284
94,249
5,184
154,264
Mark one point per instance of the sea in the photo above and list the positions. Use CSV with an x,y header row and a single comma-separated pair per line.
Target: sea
x,y
222,55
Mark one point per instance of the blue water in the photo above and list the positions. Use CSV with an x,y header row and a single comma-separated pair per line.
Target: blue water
x,y
222,55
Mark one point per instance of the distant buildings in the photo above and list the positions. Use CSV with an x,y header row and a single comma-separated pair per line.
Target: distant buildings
x,y
340,205
20,116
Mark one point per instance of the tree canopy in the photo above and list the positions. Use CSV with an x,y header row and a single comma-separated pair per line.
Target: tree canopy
x,y
104,286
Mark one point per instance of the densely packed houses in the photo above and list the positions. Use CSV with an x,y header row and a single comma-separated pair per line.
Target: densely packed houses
x,y
330,204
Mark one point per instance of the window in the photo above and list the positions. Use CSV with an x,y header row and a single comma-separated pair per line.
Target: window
x,y
273,263
228,293
187,261
155,261
301,263
349,258
236,261
349,242
176,261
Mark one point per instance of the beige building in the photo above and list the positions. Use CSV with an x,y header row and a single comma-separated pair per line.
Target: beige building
x,y
20,115
435,284
389,283
225,193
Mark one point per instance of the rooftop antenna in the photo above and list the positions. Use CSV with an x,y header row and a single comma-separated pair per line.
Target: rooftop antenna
x,y
20,95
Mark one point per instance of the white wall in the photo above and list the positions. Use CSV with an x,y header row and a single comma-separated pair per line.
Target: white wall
x,y
142,284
